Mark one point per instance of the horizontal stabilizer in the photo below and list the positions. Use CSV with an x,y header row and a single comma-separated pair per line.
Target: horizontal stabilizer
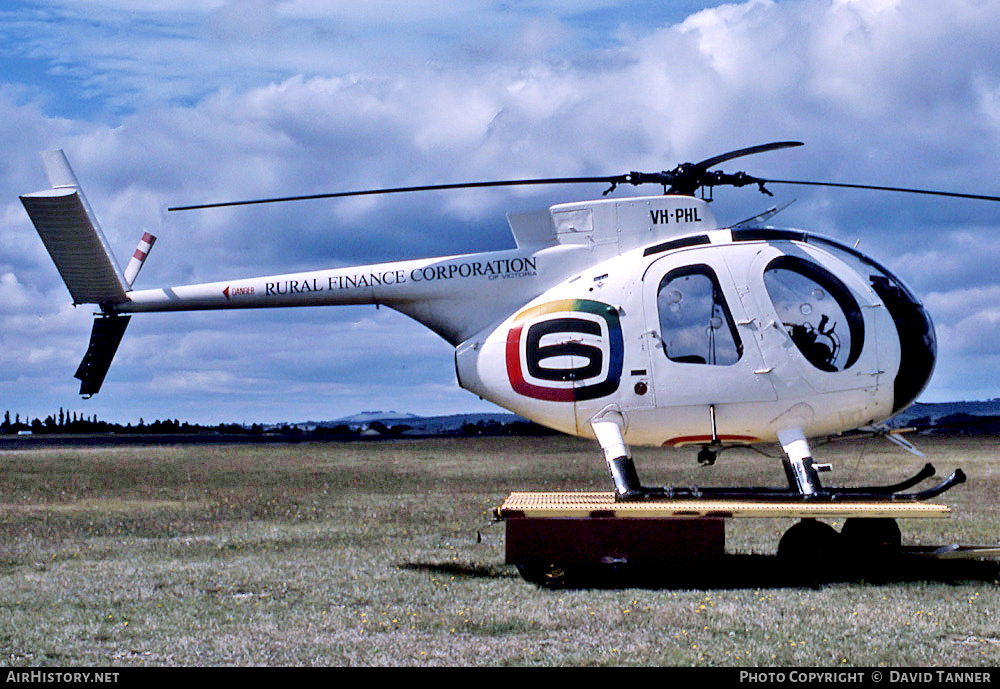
x,y
104,340
73,238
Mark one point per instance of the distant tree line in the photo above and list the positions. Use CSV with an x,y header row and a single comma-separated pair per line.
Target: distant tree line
x,y
479,428
71,422
957,424
510,428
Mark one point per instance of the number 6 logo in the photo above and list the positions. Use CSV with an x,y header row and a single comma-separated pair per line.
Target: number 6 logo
x,y
565,351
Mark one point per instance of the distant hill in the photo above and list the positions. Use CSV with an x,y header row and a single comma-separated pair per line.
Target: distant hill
x,y
966,417
962,418
927,414
368,417
936,410
404,424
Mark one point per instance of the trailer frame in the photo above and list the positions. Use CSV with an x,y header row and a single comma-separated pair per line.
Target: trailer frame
x,y
549,535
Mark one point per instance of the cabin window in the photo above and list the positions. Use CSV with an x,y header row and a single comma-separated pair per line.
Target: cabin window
x,y
818,311
695,324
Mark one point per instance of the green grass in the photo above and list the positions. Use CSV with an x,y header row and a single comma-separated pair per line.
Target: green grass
x,y
383,554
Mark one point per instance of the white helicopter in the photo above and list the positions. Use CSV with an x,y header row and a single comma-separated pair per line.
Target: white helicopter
x,y
633,321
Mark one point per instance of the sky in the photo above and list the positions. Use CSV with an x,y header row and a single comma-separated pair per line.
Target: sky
x,y
169,102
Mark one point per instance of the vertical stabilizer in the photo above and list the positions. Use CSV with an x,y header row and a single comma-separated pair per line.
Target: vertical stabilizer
x,y
104,340
74,240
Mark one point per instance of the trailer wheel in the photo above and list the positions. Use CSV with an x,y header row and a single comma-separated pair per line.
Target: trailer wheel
x,y
878,537
811,548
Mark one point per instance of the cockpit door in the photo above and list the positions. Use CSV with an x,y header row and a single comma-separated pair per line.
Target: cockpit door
x,y
703,350
814,316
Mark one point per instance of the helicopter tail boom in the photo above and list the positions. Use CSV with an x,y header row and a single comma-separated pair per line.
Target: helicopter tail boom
x,y
455,296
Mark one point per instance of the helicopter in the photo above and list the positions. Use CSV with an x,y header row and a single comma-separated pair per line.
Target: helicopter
x,y
633,321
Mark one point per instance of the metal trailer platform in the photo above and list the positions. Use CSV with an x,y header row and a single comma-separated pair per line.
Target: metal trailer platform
x,y
603,505
549,533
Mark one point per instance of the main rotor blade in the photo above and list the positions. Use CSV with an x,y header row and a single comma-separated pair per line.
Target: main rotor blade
x,y
617,179
715,160
930,192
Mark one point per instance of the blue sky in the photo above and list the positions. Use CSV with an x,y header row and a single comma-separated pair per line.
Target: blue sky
x,y
163,103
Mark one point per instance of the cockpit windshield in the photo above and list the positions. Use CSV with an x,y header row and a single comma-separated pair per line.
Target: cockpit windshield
x,y
818,312
917,341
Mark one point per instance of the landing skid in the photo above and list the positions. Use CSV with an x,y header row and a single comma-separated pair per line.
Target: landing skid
x,y
801,471
892,493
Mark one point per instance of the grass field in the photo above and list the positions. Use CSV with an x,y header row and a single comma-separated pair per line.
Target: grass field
x,y
381,553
